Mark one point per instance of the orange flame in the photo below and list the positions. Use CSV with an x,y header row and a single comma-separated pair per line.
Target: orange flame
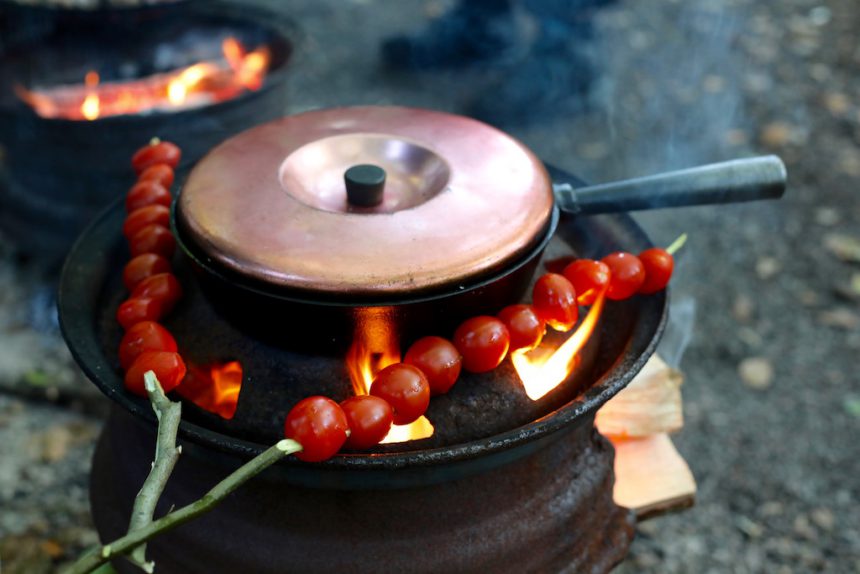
x,y
214,388
194,86
92,103
543,369
374,347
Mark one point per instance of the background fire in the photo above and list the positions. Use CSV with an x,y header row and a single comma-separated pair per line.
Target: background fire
x,y
197,85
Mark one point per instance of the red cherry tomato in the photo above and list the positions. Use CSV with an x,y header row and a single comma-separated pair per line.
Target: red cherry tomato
x,y
438,359
141,217
483,341
168,367
405,388
144,337
164,288
626,275
554,301
134,311
145,193
319,425
159,173
525,327
154,153
153,239
588,278
658,264
143,266
369,420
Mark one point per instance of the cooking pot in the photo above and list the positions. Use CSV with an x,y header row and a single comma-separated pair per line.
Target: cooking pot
x,y
332,217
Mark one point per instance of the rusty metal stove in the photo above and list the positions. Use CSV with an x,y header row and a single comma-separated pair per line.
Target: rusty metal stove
x,y
504,483
527,486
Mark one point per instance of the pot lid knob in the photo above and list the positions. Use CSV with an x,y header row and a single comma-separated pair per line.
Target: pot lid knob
x,y
365,184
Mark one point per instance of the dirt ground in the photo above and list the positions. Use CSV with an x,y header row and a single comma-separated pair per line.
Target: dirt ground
x,y
772,392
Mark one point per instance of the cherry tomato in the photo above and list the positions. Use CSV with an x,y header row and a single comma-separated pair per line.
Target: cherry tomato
x,y
525,327
141,217
588,278
144,337
626,275
145,193
405,388
554,301
153,239
154,153
169,369
438,359
143,266
319,425
134,311
658,264
483,341
164,288
159,173
369,420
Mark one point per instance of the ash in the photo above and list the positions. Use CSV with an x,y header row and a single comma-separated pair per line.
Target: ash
x,y
676,83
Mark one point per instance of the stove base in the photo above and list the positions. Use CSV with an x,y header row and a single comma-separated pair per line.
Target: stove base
x,y
551,511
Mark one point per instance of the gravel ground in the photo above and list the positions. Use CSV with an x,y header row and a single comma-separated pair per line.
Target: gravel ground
x,y
772,395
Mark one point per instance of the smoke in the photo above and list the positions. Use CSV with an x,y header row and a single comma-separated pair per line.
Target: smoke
x,y
669,94
679,331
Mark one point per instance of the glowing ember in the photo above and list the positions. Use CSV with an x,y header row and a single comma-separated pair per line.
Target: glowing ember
x,y
214,388
543,369
374,347
197,85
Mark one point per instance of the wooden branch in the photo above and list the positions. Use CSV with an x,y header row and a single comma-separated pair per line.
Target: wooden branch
x,y
191,511
167,453
651,477
650,404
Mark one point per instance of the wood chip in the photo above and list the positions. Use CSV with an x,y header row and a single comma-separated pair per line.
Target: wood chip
x,y
52,444
651,477
650,404
837,103
823,518
826,216
776,134
767,267
839,318
742,308
845,247
756,372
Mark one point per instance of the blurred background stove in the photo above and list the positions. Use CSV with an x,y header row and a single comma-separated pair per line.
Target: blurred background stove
x,y
772,398
80,88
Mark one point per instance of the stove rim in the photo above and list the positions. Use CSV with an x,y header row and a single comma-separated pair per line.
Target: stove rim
x,y
90,358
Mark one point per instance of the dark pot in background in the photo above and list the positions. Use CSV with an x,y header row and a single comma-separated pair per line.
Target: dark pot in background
x,y
59,173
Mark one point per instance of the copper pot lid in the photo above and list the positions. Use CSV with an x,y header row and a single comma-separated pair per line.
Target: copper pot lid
x,y
460,200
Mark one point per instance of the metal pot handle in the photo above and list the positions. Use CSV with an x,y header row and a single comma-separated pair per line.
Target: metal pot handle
x,y
732,181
